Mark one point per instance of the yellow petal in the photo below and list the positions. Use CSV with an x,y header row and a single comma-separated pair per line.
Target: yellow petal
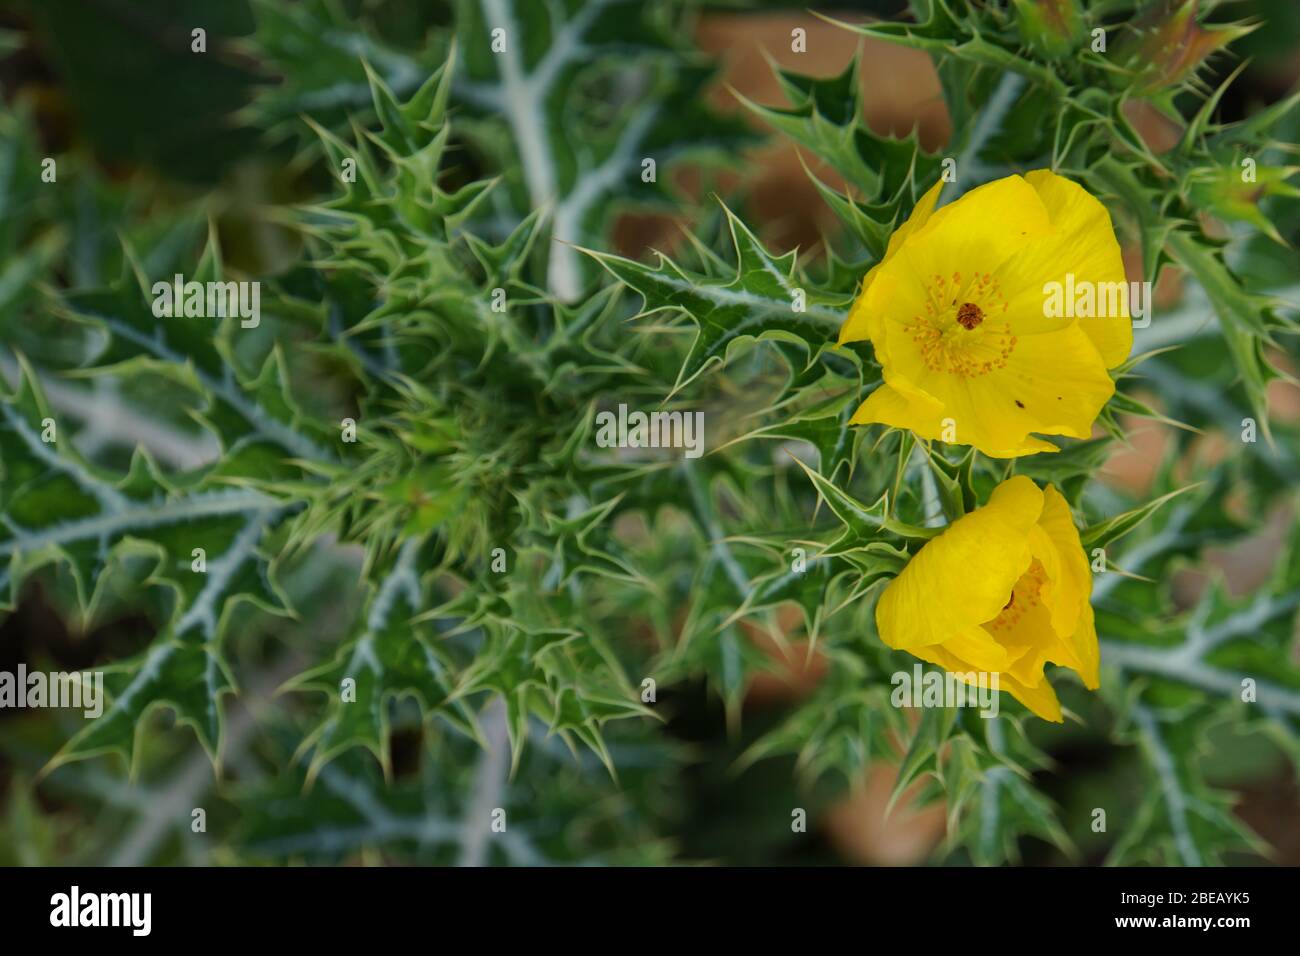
x,y
1024,628
1051,384
888,406
926,418
1011,373
1041,699
997,383
962,578
1082,242
858,325
1086,648
1017,566
1072,615
952,662
966,238
920,216
977,648
1046,554
982,229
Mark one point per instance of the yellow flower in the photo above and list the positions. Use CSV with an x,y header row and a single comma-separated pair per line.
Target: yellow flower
x,y
957,313
1004,589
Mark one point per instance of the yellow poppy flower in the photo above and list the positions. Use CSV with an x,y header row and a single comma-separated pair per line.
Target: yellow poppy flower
x,y
1004,589
956,311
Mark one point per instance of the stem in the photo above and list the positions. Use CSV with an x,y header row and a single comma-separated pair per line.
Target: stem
x,y
489,787
990,120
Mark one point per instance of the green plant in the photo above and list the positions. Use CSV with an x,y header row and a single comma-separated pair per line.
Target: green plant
x,y
405,442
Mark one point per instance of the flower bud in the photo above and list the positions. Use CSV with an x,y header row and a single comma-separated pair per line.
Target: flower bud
x,y
1168,44
1051,28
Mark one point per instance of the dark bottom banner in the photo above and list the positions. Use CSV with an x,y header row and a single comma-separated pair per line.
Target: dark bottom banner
x,y
338,906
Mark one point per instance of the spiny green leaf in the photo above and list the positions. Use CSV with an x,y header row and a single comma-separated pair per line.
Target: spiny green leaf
x,y
765,299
